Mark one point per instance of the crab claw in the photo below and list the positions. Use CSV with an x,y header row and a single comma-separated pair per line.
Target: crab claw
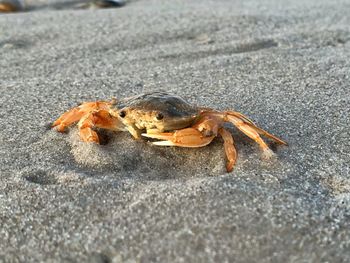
x,y
188,137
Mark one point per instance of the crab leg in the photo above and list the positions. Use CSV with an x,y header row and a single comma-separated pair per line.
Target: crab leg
x,y
188,137
259,130
230,149
251,132
226,117
75,114
67,119
89,135
247,127
97,119
269,135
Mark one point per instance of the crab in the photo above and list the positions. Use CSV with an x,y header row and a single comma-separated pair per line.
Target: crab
x,y
168,119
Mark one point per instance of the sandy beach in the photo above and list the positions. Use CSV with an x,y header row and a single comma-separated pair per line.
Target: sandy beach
x,y
284,64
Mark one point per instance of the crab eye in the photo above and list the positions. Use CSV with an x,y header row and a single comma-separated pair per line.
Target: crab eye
x,y
159,116
122,114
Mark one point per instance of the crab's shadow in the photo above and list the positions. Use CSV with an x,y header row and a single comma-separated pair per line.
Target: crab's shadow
x,y
121,154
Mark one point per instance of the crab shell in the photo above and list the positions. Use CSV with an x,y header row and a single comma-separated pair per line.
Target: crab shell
x,y
156,111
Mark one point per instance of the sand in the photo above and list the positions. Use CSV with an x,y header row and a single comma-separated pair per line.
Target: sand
x,y
285,65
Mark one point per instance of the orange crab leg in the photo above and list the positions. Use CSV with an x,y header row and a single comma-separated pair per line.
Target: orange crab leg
x,y
226,117
99,119
67,119
192,137
7,7
269,135
188,137
259,130
89,135
247,127
251,133
75,114
230,149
